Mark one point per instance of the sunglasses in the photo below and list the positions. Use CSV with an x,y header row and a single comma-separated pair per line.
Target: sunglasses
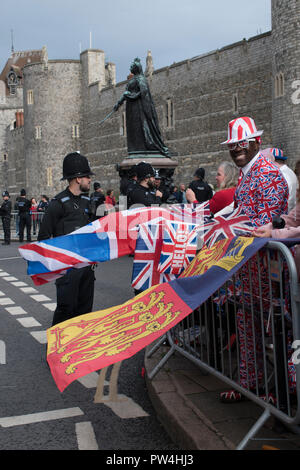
x,y
243,144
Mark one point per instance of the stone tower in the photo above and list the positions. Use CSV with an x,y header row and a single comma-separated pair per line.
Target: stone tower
x,y
286,78
52,122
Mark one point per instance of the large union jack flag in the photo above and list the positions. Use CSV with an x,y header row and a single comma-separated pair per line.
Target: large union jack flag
x,y
232,224
179,246
147,253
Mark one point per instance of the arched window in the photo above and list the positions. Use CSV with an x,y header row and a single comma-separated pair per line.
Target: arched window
x,y
279,85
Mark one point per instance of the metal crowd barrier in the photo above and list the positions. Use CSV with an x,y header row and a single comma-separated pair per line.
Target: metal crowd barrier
x,y
36,218
245,335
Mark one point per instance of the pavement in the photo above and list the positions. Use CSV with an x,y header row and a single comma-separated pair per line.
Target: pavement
x,y
187,403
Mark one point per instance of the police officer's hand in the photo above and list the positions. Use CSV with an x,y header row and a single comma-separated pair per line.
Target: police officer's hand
x,y
158,193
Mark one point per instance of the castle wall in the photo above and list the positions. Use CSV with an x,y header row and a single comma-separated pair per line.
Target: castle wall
x,y
14,169
286,67
9,105
207,92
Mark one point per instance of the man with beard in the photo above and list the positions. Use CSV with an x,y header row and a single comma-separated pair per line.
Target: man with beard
x,y
68,211
145,192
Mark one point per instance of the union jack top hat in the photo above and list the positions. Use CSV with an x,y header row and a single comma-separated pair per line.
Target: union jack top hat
x,y
240,129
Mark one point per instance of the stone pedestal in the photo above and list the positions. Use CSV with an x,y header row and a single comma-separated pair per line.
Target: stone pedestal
x,y
165,165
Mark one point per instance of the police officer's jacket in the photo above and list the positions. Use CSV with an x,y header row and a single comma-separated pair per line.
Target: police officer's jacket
x,y
143,196
97,198
202,190
5,209
23,206
65,213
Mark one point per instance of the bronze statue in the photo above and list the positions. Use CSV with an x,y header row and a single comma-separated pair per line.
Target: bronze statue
x,y
143,132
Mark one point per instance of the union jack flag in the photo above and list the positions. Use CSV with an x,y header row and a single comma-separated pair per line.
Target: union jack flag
x,y
194,213
145,271
179,246
232,224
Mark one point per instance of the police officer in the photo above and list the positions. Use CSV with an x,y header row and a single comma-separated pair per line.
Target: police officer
x,y
23,206
68,211
97,198
145,193
5,212
201,188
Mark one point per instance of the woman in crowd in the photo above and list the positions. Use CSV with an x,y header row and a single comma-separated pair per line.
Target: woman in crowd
x,y
227,179
110,199
34,216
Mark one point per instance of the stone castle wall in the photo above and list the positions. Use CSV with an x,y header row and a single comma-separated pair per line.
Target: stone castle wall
x,y
286,64
206,92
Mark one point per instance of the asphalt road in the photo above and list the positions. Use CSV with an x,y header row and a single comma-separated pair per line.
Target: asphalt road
x,y
34,414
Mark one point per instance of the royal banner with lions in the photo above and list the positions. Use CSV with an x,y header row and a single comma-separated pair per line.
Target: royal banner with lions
x,y
96,340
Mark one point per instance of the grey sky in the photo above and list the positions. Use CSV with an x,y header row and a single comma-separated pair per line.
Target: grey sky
x,y
173,30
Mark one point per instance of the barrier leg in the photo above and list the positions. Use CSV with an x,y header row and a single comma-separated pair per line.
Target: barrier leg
x,y
156,346
162,362
255,428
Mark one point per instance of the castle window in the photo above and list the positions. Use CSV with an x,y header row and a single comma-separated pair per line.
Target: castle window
x,y
123,124
235,102
279,85
75,131
5,156
38,132
30,97
170,114
49,177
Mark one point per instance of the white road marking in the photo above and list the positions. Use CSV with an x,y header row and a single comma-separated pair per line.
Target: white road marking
x,y
16,310
10,278
28,290
12,257
85,436
2,293
39,417
3,274
6,301
2,353
40,336
90,380
40,298
125,407
28,322
51,307
19,284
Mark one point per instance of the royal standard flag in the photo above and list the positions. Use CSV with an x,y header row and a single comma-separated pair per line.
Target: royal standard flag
x,y
95,340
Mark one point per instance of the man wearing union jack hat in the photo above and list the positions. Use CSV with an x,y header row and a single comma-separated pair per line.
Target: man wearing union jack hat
x,y
262,192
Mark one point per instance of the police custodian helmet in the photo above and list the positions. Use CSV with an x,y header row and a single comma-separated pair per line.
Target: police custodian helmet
x,y
144,170
75,165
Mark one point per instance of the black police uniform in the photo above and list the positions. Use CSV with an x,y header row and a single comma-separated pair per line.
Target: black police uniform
x,y
202,190
143,196
67,212
97,199
132,184
75,290
5,212
23,206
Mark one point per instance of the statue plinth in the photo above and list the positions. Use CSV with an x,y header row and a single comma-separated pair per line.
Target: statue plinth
x,y
165,165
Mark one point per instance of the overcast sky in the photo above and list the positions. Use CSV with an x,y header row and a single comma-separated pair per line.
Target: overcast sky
x,y
173,30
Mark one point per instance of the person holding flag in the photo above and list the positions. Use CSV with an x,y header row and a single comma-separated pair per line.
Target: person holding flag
x,y
68,211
